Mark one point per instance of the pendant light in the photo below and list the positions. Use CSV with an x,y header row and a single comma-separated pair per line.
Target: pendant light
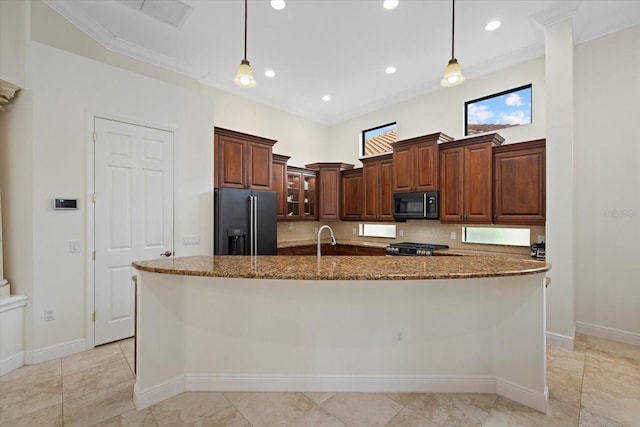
x,y
244,76
453,73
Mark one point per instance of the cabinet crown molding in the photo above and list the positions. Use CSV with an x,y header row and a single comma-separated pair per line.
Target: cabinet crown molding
x,y
493,138
438,136
7,92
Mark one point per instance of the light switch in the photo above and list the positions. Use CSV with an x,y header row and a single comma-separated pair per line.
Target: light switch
x,y
74,246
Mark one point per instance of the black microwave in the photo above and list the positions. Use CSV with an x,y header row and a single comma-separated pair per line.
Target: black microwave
x,y
415,205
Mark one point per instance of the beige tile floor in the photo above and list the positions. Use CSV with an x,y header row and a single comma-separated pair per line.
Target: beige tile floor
x,y
598,384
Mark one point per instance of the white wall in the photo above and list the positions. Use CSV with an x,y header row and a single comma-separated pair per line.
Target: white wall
x,y
13,36
443,111
607,181
67,90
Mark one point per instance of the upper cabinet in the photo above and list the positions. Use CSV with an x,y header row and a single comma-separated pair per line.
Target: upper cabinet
x,y
466,179
415,163
278,183
519,183
378,195
242,160
352,196
302,197
329,189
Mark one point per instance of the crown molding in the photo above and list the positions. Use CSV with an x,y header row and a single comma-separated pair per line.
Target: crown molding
x,y
559,12
7,92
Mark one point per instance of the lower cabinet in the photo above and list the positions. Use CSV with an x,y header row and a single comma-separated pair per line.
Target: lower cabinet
x,y
333,250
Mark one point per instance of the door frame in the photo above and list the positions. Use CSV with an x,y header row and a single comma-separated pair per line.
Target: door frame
x,y
90,207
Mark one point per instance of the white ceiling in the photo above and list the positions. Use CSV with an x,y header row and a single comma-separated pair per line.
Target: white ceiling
x,y
338,47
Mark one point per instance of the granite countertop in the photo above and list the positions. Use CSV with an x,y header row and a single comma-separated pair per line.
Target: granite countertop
x,y
344,267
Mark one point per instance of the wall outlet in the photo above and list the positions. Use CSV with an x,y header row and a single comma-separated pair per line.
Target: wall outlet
x,y
49,314
540,238
400,335
401,233
191,239
315,230
354,230
453,235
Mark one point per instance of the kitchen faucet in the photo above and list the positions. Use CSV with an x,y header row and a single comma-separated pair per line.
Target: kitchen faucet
x,y
333,238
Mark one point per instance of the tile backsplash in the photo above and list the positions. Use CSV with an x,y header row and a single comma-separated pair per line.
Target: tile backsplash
x,y
425,231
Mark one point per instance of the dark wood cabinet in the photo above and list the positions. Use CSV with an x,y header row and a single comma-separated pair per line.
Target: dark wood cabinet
x,y
466,179
377,175
519,190
279,183
415,163
242,160
301,194
333,250
329,189
352,195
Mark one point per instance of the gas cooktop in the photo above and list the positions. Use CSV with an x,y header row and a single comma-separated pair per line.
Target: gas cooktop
x,y
413,249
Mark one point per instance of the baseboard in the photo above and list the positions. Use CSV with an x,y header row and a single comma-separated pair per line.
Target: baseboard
x,y
525,396
11,363
55,351
559,340
339,383
608,333
146,398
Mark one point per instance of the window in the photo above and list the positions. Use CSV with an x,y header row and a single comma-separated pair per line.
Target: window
x,y
496,236
378,140
501,110
377,230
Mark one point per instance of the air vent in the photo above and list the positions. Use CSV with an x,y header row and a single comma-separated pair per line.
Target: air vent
x,y
172,12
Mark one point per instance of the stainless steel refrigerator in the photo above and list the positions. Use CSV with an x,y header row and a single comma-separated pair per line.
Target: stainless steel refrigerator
x,y
244,222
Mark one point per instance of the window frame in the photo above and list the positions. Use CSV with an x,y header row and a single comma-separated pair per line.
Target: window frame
x,y
496,95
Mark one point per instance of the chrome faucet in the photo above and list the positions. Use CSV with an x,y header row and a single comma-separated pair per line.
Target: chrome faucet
x,y
333,238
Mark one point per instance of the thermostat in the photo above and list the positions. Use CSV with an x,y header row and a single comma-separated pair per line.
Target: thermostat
x,y
60,203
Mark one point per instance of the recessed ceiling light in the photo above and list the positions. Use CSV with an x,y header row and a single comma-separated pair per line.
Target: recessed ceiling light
x,y
326,98
270,73
493,25
390,69
278,4
390,4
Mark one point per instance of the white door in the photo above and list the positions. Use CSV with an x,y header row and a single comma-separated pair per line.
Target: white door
x,y
133,182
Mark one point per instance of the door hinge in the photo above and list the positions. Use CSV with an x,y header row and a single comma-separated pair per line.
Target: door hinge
x,y
93,197
94,137
93,255
94,316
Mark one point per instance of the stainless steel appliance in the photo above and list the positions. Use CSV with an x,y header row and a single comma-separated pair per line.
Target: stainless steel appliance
x,y
415,205
244,222
413,249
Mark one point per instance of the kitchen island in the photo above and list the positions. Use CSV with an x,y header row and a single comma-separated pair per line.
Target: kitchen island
x,y
337,324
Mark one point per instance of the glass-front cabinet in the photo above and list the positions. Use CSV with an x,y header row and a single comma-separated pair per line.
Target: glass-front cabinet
x,y
301,193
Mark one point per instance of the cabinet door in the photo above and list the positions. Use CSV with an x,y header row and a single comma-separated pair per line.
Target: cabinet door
x,y
403,169
425,170
477,183
329,193
294,181
278,183
386,193
230,162
309,196
352,196
371,189
259,166
519,189
451,183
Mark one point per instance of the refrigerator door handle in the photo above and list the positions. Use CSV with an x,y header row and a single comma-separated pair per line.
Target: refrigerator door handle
x,y
255,227
251,224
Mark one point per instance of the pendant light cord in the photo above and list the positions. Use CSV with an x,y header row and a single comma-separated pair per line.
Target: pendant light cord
x,y
245,30
453,26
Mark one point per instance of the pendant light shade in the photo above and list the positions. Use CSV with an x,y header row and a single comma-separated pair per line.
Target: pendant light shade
x,y
244,76
453,73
